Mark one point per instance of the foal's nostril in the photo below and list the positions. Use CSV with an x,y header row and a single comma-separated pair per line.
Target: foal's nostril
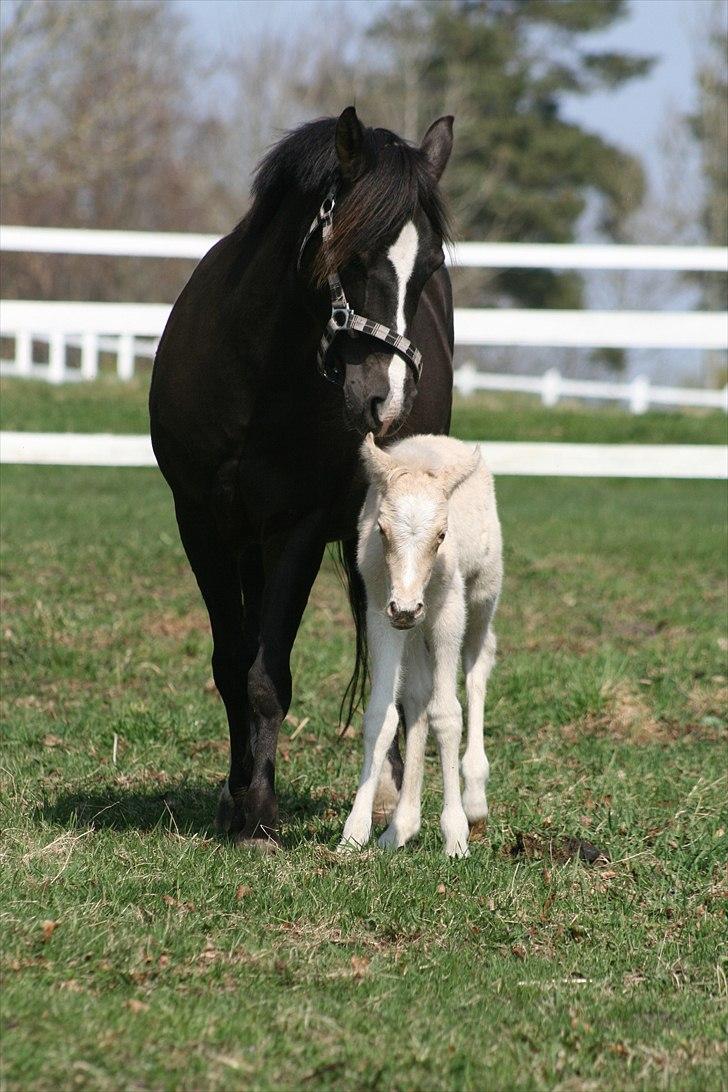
x,y
419,609
391,608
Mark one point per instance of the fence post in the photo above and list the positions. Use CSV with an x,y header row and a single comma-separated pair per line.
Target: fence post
x,y
89,355
23,353
57,357
639,394
466,378
125,358
551,387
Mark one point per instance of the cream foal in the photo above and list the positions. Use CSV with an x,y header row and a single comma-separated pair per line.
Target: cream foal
x,y
430,556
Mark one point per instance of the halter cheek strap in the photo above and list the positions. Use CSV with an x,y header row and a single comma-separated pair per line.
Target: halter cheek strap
x,y
342,317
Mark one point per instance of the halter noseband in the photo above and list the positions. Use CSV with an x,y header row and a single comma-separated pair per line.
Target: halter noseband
x,y
342,316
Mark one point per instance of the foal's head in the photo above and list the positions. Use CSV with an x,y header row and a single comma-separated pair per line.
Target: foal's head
x,y
389,226
412,523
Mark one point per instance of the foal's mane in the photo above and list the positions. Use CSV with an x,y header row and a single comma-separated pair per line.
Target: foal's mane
x,y
396,181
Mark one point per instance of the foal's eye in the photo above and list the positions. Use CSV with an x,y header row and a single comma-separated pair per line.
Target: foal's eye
x,y
440,537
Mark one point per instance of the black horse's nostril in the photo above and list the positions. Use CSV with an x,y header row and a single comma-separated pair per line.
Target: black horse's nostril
x,y
374,407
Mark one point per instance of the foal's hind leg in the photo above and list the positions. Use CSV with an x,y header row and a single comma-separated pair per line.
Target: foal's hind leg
x,y
235,640
390,781
478,659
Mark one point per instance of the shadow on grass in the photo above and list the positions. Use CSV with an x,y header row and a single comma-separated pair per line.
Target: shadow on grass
x,y
187,807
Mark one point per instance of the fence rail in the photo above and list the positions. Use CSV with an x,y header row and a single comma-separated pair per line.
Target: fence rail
x,y
130,331
685,461
69,336
639,394
169,244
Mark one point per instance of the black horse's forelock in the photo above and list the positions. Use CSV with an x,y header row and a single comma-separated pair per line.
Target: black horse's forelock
x,y
397,180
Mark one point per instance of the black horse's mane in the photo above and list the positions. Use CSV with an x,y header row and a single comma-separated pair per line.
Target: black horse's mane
x,y
397,181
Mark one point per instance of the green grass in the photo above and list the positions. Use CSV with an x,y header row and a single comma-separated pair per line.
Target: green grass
x,y
110,406
171,960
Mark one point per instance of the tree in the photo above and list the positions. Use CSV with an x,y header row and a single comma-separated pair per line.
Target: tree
x,y
520,170
710,127
101,128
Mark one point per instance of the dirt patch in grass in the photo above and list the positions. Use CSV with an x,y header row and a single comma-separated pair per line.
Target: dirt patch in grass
x,y
305,937
710,702
177,626
627,716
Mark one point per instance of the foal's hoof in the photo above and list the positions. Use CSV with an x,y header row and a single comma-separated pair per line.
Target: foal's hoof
x,y
385,801
478,830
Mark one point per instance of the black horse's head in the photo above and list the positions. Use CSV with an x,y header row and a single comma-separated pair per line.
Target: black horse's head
x,y
386,241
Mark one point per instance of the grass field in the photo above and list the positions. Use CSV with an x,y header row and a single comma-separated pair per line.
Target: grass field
x,y
139,952
110,406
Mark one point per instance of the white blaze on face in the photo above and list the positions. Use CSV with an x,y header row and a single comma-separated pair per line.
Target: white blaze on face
x,y
414,517
402,254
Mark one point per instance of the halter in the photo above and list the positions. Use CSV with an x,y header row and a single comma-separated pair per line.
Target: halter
x,y
342,316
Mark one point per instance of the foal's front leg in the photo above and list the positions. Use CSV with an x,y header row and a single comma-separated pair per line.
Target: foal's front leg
x,y
446,717
380,724
415,697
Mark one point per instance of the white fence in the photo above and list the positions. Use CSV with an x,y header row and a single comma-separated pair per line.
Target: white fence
x,y
61,341
639,394
703,461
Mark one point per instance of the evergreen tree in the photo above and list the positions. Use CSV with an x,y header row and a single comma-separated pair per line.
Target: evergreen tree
x,y
520,171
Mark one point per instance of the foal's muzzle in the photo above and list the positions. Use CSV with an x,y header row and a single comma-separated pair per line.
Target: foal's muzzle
x,y
405,618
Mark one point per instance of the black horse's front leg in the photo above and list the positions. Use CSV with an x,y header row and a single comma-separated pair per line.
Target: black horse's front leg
x,y
293,563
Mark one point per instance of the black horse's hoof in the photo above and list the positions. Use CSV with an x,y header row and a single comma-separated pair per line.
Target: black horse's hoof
x,y
230,815
267,844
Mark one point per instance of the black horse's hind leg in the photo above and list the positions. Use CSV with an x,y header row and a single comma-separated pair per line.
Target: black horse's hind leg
x,y
291,569
219,573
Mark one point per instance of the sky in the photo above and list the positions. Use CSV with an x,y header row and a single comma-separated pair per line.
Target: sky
x,y
633,117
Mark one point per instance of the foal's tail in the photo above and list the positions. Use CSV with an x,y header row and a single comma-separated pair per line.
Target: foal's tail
x,y
354,693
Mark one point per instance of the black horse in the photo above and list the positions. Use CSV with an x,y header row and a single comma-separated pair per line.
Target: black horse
x,y
259,449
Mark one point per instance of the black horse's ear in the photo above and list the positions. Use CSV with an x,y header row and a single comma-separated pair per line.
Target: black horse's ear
x,y
350,144
437,144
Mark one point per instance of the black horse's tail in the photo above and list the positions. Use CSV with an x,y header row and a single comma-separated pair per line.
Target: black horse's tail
x,y
355,690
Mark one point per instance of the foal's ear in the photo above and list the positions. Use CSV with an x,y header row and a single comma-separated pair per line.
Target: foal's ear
x,y
450,477
377,464
437,145
350,144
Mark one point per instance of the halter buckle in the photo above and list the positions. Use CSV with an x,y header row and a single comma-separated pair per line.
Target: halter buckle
x,y
341,317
